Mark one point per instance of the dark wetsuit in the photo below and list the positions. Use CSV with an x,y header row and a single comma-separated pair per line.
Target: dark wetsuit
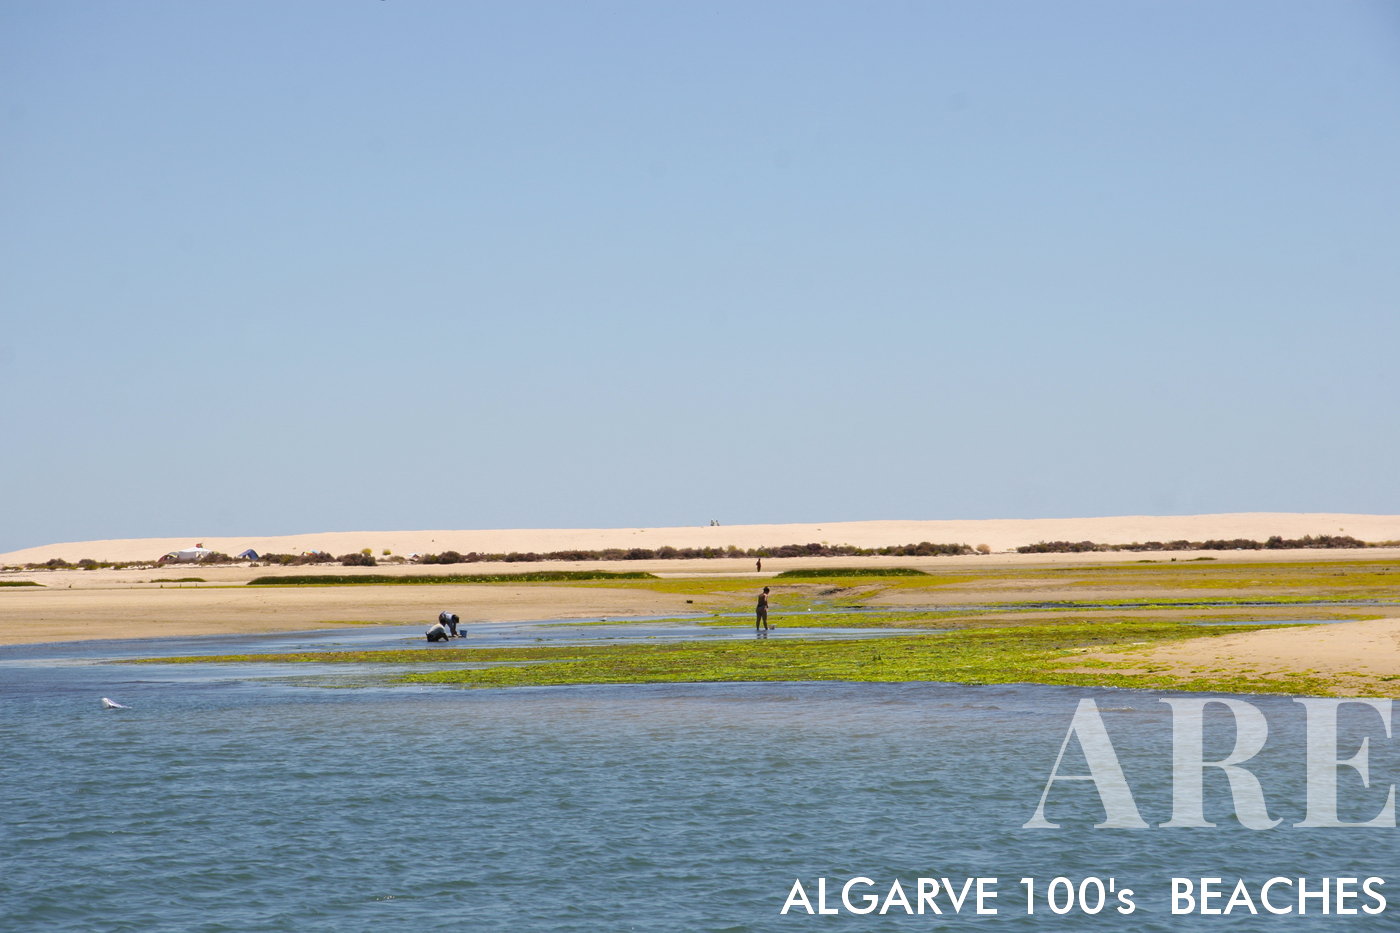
x,y
761,612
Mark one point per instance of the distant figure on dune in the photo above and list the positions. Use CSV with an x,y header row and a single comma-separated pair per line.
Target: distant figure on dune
x,y
760,622
450,621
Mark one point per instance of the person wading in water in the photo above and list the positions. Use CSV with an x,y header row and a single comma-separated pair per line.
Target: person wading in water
x,y
760,623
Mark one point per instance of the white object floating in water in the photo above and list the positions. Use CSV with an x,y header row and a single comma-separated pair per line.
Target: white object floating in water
x,y
112,704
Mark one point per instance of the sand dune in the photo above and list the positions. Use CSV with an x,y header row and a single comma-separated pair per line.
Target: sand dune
x,y
998,534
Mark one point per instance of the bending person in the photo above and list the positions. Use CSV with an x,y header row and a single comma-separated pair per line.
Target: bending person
x,y
450,621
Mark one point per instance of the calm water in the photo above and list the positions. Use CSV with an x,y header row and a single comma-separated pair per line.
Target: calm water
x,y
255,798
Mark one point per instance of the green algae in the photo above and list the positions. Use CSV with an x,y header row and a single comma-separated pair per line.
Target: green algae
x,y
1041,653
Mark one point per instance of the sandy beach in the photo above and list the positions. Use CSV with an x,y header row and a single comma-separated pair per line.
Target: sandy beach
x,y
31,615
1356,654
148,602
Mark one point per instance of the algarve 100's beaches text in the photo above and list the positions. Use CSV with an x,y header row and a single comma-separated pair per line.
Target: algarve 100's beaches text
x,y
1204,896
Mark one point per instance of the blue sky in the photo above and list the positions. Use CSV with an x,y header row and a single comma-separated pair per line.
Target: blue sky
x,y
275,268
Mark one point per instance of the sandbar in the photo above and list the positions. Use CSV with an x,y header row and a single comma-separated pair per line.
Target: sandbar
x,y
1355,655
148,602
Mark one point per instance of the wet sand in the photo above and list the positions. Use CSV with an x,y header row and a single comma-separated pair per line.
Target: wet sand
x,y
1356,654
95,611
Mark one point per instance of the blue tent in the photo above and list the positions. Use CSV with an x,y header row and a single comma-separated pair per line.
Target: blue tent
x,y
249,554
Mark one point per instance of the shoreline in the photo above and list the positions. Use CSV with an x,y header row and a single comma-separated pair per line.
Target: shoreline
x,y
998,590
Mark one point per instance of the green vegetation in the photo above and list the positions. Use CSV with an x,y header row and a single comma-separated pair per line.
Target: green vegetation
x,y
1134,582
743,590
1274,543
541,576
182,580
87,563
1166,603
1044,653
288,560
922,549
19,583
824,573
1181,586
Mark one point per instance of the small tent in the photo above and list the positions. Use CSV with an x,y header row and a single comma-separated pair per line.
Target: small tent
x,y
249,554
189,554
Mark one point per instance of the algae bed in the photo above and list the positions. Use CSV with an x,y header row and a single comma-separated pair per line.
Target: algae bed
x,y
983,629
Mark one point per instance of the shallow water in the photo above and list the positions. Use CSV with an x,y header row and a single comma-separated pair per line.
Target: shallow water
x,y
253,798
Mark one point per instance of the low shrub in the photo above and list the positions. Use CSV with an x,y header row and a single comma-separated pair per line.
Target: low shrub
x,y
541,576
922,549
1276,542
289,560
1059,547
446,557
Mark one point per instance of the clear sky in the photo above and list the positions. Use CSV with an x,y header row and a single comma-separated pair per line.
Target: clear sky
x,y
272,267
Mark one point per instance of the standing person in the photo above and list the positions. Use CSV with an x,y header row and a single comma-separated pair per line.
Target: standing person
x,y
450,621
760,622
758,565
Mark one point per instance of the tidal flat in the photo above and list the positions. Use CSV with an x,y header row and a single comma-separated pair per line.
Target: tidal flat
x,y
1035,654
1087,626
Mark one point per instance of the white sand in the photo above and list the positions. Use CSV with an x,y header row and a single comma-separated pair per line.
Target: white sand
x,y
998,534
